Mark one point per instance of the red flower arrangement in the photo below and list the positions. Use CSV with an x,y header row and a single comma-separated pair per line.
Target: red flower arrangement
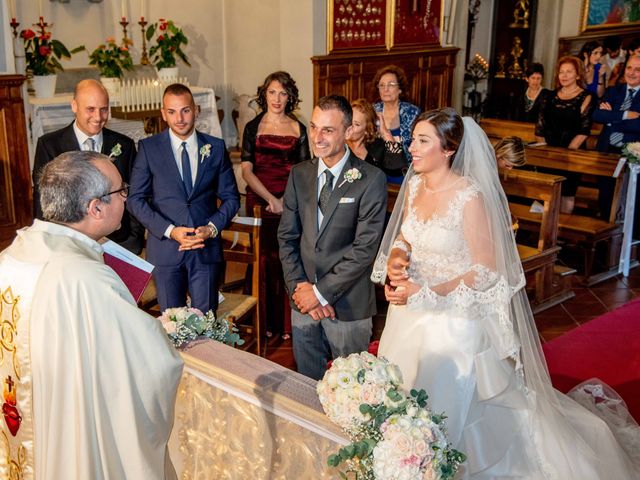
x,y
168,44
43,54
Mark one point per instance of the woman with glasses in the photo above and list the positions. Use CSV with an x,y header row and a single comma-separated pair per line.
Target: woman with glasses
x,y
395,114
272,143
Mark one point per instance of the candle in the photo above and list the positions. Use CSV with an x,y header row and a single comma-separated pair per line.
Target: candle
x,y
40,8
123,9
12,10
143,9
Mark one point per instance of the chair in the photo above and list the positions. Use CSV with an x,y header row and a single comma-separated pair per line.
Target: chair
x,y
241,245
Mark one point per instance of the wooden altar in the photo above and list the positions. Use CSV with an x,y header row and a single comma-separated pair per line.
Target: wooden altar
x,y
15,177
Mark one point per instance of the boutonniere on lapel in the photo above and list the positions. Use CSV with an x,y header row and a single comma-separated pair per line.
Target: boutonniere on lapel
x,y
351,176
116,151
205,152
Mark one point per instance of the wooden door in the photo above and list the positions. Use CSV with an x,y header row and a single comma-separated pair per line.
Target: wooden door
x,y
16,210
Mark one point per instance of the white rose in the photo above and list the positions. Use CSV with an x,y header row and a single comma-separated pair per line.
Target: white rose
x,y
394,374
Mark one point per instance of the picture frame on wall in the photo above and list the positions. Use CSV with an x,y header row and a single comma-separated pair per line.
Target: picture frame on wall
x,y
416,22
383,24
357,24
609,15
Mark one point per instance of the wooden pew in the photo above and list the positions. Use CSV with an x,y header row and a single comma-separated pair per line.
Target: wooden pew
x,y
547,284
496,129
585,232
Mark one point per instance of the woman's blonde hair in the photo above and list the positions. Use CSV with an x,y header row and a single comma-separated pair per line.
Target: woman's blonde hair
x,y
366,108
511,150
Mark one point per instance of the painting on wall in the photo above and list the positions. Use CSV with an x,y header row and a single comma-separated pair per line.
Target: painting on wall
x,y
610,14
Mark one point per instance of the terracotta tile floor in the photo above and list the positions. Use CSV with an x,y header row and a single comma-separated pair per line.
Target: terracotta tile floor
x,y
588,304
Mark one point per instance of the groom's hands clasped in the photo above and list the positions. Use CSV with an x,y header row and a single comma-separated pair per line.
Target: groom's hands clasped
x,y
305,299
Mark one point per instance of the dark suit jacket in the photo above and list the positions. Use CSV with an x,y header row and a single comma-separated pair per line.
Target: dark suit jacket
x,y
338,257
131,233
158,197
612,119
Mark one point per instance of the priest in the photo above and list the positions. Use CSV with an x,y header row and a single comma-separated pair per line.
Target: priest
x,y
89,380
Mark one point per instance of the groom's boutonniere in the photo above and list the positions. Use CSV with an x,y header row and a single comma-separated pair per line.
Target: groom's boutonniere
x,y
351,176
116,151
205,152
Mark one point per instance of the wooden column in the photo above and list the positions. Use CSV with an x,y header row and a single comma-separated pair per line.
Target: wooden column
x,y
16,208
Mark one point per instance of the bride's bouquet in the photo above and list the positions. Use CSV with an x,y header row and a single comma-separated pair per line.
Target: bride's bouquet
x,y
185,324
394,436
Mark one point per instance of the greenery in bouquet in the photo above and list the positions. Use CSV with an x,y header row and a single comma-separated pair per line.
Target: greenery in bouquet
x,y
394,436
632,152
112,59
186,324
168,44
43,53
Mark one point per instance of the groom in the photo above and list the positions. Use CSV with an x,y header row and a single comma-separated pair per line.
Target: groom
x,y
334,208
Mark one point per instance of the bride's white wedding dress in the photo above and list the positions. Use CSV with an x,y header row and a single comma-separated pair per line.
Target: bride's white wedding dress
x,y
463,349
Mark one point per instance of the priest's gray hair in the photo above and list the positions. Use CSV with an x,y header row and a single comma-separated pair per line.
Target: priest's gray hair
x,y
68,183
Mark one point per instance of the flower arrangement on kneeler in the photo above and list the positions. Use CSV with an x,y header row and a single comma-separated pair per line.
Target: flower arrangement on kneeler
x,y
394,436
185,324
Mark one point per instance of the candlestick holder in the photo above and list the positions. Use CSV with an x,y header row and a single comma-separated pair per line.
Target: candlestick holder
x,y
124,24
14,25
42,25
144,59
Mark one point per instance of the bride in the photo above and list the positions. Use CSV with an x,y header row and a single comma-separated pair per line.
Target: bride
x,y
459,323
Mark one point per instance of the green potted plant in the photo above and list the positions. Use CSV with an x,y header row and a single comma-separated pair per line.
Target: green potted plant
x,y
112,60
167,47
43,55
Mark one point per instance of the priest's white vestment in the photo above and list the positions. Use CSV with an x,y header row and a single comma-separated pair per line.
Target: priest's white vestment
x,y
102,373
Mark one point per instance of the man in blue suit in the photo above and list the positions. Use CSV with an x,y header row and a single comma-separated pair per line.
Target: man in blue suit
x,y
184,192
619,112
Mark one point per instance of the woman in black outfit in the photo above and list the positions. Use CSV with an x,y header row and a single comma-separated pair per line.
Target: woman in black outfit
x,y
565,119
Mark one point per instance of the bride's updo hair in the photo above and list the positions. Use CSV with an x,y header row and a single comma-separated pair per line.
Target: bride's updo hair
x,y
448,125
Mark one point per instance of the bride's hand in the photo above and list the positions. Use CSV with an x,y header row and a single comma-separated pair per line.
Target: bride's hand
x,y
398,294
397,266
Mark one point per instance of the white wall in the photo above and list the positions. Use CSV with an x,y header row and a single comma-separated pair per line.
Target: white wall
x,y
234,44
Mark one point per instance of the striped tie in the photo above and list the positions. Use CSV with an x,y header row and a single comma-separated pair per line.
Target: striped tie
x,y
615,138
90,144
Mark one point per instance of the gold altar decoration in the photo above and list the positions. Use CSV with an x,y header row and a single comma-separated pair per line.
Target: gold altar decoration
x,y
240,416
515,70
521,15
502,61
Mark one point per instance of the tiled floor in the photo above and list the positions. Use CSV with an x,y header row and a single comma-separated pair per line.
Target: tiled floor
x,y
588,304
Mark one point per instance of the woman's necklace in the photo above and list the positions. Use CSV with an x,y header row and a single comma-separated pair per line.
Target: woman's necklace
x,y
440,189
571,92
531,95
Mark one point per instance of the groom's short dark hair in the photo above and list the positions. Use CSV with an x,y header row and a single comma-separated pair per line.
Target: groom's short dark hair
x,y
337,102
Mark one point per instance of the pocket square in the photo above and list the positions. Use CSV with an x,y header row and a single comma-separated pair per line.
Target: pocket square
x,y
347,200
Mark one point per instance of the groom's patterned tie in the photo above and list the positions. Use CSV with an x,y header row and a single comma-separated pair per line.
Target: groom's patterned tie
x,y
615,138
325,193
90,144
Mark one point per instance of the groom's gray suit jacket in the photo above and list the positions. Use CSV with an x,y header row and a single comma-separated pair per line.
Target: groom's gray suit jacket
x,y
337,257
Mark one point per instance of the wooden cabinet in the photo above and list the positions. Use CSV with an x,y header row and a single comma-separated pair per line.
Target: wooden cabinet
x,y
429,72
15,178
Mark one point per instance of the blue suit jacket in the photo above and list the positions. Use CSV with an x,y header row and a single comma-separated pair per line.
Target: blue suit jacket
x,y
612,119
158,197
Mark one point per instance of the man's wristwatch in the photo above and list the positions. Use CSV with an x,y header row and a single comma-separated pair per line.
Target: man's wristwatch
x,y
213,230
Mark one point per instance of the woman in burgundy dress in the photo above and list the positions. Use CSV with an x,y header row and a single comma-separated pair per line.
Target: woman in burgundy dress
x,y
272,143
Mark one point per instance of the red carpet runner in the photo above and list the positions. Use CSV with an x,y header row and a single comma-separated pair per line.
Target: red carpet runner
x,y
608,348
